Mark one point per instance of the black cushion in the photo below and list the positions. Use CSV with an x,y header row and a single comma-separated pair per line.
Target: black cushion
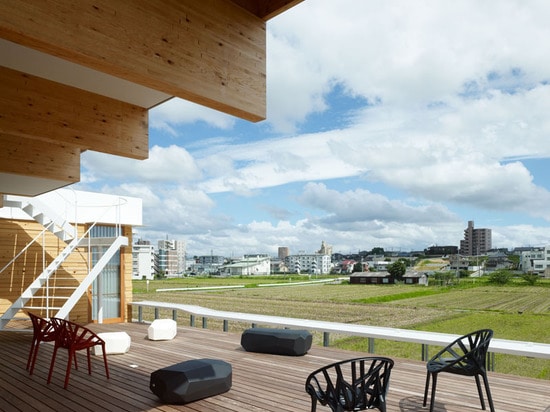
x,y
291,342
191,380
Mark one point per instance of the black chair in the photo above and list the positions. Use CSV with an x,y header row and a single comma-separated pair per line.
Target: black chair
x,y
464,356
351,385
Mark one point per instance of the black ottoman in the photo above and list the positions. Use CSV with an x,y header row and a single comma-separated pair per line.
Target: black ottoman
x,y
276,341
191,380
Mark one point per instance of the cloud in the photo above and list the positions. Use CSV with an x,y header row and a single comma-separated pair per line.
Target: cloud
x,y
355,208
165,164
176,112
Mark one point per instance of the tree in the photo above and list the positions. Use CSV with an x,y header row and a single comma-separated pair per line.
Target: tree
x,y
500,277
530,278
397,269
357,267
515,260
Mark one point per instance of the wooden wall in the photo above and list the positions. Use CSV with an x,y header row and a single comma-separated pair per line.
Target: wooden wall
x,y
16,234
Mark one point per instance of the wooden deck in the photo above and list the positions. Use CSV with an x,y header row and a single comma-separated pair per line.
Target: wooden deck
x,y
261,382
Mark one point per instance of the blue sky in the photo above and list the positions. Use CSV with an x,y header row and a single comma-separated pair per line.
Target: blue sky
x,y
390,124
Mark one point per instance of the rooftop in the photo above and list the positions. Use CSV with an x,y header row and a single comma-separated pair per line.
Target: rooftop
x,y
261,382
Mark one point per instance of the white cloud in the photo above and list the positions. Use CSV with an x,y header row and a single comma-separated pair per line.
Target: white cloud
x,y
355,208
175,112
165,164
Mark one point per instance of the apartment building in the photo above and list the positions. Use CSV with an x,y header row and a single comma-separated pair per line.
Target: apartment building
x,y
144,261
171,257
309,263
476,241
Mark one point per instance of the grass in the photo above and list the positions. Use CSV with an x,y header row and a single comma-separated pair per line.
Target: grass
x,y
516,311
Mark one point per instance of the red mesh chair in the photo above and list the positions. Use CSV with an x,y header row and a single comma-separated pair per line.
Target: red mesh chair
x,y
351,385
74,337
43,331
465,356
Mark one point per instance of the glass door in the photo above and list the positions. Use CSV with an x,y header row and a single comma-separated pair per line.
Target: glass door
x,y
106,288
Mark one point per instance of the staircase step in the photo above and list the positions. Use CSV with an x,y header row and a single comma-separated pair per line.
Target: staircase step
x,y
60,287
50,297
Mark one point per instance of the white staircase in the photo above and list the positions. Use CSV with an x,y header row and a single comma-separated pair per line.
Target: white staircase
x,y
49,292
36,285
41,213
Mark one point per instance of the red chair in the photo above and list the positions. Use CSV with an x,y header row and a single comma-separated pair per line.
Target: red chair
x,y
75,337
43,331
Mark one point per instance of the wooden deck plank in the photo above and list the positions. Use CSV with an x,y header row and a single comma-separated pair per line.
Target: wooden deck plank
x,y
261,382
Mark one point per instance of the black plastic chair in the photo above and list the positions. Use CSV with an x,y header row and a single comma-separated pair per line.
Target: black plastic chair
x,y
464,356
351,385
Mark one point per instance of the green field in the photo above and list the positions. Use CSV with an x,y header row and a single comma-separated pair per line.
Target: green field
x,y
516,311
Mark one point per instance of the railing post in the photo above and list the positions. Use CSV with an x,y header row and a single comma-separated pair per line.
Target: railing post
x,y
156,313
204,322
225,325
491,362
424,352
370,345
140,314
254,325
326,340
192,321
175,314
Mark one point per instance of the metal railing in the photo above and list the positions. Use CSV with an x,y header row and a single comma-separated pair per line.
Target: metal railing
x,y
423,338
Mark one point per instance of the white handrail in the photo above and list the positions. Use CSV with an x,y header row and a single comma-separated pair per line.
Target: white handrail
x,y
510,347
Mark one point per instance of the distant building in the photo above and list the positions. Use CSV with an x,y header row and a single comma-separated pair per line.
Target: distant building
x,y
210,260
441,250
143,261
476,241
171,257
283,252
325,249
536,260
309,263
279,266
371,278
248,266
346,266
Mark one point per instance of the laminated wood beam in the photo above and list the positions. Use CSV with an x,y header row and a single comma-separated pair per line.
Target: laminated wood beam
x,y
211,52
34,108
266,10
36,166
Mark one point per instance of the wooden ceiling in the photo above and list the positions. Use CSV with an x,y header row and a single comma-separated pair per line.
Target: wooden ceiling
x,y
78,76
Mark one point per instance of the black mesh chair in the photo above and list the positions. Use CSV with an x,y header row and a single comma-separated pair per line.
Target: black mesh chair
x,y
351,385
464,356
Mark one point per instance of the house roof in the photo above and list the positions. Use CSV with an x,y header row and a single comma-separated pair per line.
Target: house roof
x,y
370,274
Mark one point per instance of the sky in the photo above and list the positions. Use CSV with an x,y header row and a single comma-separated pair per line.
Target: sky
x,y
389,124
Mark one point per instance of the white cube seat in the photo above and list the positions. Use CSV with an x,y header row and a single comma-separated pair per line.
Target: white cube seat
x,y
162,329
115,343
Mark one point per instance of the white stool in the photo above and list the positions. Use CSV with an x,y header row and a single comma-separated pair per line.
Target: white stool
x,y
162,329
115,343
